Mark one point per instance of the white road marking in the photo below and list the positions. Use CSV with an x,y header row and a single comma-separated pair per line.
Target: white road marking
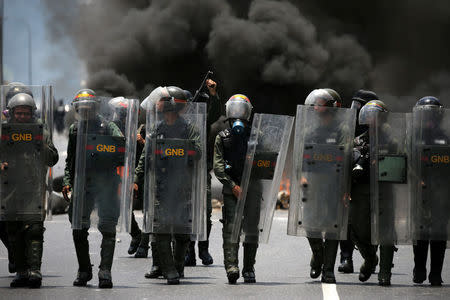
x,y
329,291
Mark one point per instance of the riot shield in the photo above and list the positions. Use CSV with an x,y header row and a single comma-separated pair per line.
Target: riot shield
x,y
263,167
175,171
320,182
104,166
431,170
390,201
25,177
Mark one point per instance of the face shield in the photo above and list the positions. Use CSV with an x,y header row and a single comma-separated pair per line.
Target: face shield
x,y
149,103
238,111
85,109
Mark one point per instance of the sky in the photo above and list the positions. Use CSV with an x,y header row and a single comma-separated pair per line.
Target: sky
x,y
51,63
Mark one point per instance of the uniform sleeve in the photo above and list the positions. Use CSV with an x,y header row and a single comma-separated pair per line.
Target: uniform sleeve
x,y
140,169
215,109
195,137
219,165
114,130
68,170
51,154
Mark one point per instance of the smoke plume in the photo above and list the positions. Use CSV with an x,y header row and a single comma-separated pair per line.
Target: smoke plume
x,y
275,52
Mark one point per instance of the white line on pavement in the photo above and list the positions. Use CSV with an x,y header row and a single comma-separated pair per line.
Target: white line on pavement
x,y
329,291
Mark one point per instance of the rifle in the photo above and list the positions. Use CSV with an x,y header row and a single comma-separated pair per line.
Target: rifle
x,y
202,86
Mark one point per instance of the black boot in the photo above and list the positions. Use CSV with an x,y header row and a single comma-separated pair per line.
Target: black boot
x,y
346,261
142,250
386,258
346,266
180,248
80,239
420,261
134,244
329,260
34,259
367,268
203,253
167,264
35,279
35,239
155,271
248,272
316,258
437,254
107,255
20,280
230,257
104,279
189,259
83,277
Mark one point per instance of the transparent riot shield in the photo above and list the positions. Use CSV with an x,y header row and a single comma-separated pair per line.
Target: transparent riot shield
x,y
175,170
431,173
320,182
263,168
104,165
390,202
26,114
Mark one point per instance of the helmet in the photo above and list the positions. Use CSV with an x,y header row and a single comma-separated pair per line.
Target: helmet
x,y
85,98
174,99
366,115
361,97
428,102
21,99
238,107
120,107
118,103
16,88
324,97
188,95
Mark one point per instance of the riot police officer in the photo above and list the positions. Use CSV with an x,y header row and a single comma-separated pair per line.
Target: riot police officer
x,y
359,99
87,104
215,110
26,236
14,89
139,240
330,132
229,155
360,204
430,132
169,215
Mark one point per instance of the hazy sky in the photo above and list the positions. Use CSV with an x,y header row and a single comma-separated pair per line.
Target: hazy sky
x,y
51,64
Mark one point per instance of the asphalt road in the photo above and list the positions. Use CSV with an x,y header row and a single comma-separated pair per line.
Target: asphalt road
x,y
282,272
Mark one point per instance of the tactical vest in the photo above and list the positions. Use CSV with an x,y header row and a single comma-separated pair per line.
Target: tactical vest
x,y
234,151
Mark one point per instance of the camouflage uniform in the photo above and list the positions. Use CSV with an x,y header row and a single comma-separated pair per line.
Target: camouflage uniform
x,y
215,110
229,159
171,261
26,237
80,236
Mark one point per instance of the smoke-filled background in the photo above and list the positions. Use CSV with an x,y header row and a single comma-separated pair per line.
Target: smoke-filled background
x,y
275,52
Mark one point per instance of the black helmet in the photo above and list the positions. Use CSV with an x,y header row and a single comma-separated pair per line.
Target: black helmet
x,y
188,95
428,102
367,111
324,97
361,97
177,99
16,88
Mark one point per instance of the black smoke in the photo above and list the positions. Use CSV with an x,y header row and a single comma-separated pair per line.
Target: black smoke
x,y
275,52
